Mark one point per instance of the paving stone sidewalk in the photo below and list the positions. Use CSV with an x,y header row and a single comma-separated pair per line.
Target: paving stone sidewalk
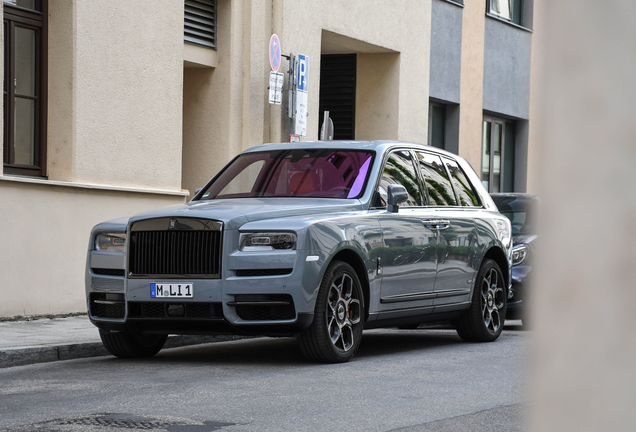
x,y
52,339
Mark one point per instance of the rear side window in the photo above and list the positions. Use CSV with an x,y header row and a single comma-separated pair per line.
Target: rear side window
x,y
399,169
464,190
438,185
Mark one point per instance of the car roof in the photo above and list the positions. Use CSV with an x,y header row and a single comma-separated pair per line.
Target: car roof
x,y
381,147
378,146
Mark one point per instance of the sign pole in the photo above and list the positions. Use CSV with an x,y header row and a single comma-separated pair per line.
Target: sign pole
x,y
292,94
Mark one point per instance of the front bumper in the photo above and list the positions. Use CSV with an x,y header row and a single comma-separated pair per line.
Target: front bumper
x,y
274,297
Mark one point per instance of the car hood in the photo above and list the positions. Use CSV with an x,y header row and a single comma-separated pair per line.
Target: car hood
x,y
523,239
236,212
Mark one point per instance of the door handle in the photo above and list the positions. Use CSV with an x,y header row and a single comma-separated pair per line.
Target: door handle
x,y
436,223
443,224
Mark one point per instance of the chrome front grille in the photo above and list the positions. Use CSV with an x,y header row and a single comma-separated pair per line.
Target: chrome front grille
x,y
180,249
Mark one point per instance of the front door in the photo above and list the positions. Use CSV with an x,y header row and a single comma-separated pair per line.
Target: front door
x,y
408,256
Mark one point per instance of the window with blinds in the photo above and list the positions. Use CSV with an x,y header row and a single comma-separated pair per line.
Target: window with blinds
x,y
200,23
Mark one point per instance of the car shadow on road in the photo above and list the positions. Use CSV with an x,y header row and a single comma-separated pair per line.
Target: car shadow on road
x,y
285,351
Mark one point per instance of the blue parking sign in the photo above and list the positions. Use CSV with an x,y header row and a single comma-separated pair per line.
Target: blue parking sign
x,y
303,72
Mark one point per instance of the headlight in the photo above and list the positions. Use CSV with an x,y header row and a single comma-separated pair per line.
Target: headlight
x,y
519,254
264,241
111,242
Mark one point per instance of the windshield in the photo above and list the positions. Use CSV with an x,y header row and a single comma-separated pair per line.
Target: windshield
x,y
293,173
520,211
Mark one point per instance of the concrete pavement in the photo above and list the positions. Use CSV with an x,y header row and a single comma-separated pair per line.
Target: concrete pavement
x,y
42,340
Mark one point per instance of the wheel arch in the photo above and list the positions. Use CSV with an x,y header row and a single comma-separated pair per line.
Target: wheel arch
x,y
496,254
352,258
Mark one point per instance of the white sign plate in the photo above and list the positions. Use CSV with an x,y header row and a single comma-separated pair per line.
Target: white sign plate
x,y
301,113
276,88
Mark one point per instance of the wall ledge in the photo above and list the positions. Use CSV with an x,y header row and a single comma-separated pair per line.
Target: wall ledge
x,y
196,56
89,186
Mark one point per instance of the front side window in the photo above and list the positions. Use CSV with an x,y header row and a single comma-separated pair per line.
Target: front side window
x,y
293,173
497,160
399,169
24,150
438,185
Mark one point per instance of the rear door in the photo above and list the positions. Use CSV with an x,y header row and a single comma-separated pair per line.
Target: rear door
x,y
455,227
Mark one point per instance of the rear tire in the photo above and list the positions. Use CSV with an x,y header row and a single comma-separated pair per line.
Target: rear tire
x,y
131,345
335,334
484,319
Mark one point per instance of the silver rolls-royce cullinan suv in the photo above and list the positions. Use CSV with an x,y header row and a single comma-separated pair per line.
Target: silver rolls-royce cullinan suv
x,y
317,240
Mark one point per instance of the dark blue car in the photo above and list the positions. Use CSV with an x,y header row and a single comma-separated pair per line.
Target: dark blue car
x,y
521,209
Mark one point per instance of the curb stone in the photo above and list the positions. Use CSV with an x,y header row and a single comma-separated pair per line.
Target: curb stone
x,y
11,357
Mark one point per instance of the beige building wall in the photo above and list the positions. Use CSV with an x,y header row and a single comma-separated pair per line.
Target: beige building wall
x,y
226,109
116,76
133,126
535,147
46,230
375,27
377,98
471,114
114,146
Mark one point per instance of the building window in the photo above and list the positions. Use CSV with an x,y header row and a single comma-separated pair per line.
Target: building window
x,y
200,23
25,61
498,155
509,10
436,125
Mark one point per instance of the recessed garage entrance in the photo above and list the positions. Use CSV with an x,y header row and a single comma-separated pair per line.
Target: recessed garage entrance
x,y
338,93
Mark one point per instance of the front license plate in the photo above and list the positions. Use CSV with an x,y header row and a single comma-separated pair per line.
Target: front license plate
x,y
171,290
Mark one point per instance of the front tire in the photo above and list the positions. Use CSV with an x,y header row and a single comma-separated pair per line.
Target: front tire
x,y
335,334
484,319
130,345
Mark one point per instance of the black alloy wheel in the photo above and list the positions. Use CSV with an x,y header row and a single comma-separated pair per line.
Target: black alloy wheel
x,y
484,319
335,334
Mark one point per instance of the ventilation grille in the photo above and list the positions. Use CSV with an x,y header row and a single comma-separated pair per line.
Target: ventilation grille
x,y
264,307
175,253
105,305
200,23
109,272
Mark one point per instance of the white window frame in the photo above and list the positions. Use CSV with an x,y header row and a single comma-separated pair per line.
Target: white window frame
x,y
492,156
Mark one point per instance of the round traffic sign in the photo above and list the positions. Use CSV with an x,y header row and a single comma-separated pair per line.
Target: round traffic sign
x,y
274,52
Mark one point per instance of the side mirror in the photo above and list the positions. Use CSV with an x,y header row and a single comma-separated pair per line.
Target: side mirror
x,y
196,191
396,194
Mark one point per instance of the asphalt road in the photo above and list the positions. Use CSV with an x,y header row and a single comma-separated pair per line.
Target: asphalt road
x,y
400,380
